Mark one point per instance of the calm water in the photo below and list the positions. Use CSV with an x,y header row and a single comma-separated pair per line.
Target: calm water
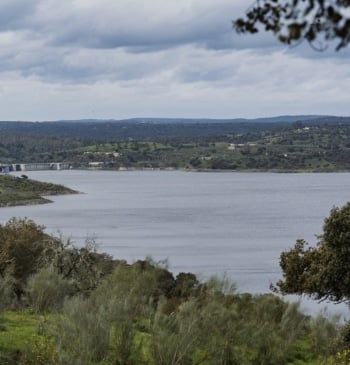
x,y
207,223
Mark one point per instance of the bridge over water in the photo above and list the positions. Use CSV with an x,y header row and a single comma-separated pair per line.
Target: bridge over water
x,y
35,166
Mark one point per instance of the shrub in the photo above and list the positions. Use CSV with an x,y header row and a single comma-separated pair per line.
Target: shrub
x,y
46,290
41,352
7,294
82,336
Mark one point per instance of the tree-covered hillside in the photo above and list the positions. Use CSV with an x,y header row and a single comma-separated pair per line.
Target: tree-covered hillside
x,y
321,144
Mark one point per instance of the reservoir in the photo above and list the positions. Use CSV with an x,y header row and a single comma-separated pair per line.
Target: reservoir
x,y
233,224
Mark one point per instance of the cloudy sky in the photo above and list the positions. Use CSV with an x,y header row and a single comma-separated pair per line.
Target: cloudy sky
x,y
72,59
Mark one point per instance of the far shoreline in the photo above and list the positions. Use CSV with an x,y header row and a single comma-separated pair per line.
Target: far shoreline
x,y
277,171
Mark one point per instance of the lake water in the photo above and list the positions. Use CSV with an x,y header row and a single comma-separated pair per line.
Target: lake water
x,y
207,223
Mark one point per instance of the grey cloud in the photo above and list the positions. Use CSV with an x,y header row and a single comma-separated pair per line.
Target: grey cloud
x,y
14,14
85,66
155,36
204,75
306,50
163,56
109,25
61,25
78,46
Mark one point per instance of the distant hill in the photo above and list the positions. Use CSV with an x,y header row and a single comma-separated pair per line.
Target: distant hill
x,y
276,119
156,128
284,143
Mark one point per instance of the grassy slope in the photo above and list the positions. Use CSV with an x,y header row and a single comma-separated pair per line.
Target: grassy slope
x,y
16,330
20,332
22,191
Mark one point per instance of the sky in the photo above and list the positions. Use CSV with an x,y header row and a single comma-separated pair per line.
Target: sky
x,y
116,59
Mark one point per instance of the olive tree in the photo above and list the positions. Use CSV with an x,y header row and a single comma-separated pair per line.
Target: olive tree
x,y
22,243
321,271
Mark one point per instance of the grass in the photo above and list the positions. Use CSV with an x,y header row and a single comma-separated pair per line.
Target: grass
x,y
22,340
16,329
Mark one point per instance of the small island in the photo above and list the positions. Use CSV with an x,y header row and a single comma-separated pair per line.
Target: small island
x,y
23,191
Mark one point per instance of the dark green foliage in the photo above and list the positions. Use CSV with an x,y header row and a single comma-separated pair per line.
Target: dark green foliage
x,y
165,281
294,20
22,243
186,285
323,271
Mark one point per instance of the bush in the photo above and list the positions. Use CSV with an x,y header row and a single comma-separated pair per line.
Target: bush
x,y
82,336
21,246
46,290
7,294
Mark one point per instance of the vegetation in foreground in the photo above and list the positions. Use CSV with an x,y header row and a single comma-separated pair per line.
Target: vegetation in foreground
x,y
61,304
22,191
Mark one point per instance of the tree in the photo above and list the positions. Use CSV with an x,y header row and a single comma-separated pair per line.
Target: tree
x,y
22,243
84,266
321,271
317,21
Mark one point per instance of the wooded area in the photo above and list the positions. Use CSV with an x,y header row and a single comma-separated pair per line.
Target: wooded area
x,y
319,144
